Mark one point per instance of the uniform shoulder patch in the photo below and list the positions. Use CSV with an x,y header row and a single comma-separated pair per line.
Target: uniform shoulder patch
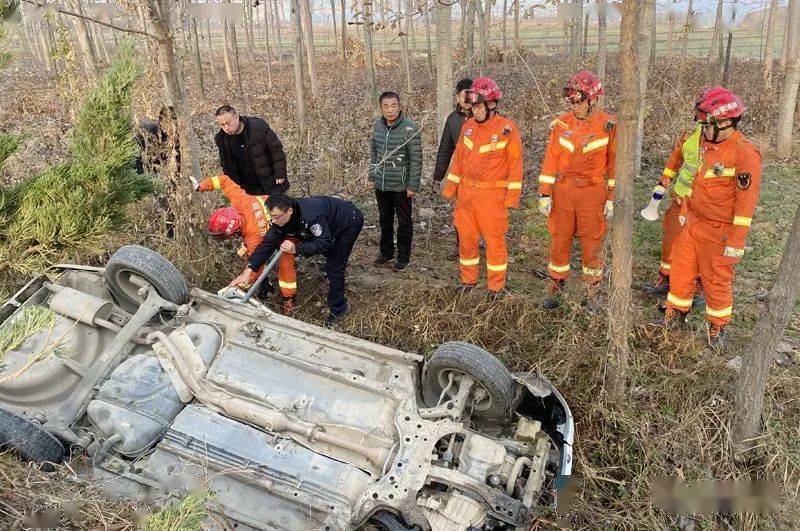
x,y
316,229
743,181
609,126
507,130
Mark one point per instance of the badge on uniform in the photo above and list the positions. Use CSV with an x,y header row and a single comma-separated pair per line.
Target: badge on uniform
x,y
743,181
718,168
316,229
507,130
468,132
494,139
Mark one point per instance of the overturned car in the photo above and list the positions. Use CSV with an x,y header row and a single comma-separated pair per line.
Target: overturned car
x,y
153,389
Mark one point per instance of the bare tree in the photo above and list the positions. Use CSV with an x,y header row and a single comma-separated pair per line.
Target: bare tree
x,y
653,22
344,31
631,50
469,34
236,63
585,36
339,45
198,64
769,53
248,26
427,12
267,43
504,24
602,45
484,30
778,306
276,30
85,42
788,35
368,50
404,42
791,84
308,44
577,30
516,31
444,65
226,47
670,32
686,28
300,102
643,56
716,40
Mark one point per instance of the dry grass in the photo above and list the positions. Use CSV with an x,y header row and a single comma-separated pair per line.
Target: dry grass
x,y
677,418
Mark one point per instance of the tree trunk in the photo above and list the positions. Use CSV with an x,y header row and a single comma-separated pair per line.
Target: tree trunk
x,y
211,60
158,13
100,39
236,63
505,24
469,34
791,84
790,36
339,45
276,30
769,46
368,52
716,42
484,21
308,44
752,383
619,325
602,44
686,27
198,64
585,36
85,43
444,66
299,89
404,43
516,32
267,43
226,47
643,55
670,34
46,50
577,30
653,33
344,31
384,26
251,38
427,13
412,12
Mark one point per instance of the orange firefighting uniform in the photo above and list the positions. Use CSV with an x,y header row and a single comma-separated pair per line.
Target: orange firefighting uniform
x,y
718,213
578,172
255,224
671,224
486,177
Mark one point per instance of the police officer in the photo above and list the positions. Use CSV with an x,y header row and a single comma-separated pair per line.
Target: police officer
x,y
321,225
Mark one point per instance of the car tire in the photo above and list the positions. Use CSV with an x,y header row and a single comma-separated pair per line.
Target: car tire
x,y
31,441
148,264
488,372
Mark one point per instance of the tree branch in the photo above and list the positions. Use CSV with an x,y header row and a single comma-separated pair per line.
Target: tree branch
x,y
90,19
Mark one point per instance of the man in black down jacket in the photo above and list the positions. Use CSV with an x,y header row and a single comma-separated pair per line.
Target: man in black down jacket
x,y
452,130
250,153
320,225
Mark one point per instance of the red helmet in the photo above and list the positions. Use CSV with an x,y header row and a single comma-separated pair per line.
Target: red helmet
x,y
484,89
225,222
582,86
718,103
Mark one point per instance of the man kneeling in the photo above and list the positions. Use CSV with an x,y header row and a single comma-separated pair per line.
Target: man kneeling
x,y
320,225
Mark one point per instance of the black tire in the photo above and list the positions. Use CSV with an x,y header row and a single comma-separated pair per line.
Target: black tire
x,y
30,440
148,264
488,372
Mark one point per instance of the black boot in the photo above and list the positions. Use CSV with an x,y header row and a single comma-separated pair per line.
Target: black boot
x,y
552,299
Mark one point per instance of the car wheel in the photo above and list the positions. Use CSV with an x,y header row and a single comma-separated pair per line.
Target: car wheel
x,y
492,378
148,264
32,442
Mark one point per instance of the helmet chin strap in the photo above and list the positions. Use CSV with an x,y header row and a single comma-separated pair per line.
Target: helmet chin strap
x,y
489,113
715,137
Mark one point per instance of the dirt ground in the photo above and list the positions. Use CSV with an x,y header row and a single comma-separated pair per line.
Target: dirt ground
x,y
676,420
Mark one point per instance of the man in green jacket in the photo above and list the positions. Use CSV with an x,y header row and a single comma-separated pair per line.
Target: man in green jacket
x,y
395,169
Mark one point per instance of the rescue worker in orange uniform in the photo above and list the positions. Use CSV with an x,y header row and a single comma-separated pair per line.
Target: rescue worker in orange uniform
x,y
247,216
716,214
576,184
485,177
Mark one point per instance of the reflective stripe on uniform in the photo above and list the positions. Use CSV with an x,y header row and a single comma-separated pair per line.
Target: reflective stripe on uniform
x,y
287,285
592,272
547,179
612,183
558,269
666,266
468,142
725,312
501,267
668,173
566,144
216,183
515,185
263,207
595,144
743,221
469,261
727,172
494,146
453,177
683,303
734,252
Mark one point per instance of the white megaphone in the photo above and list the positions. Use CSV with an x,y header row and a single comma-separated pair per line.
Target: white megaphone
x,y
650,212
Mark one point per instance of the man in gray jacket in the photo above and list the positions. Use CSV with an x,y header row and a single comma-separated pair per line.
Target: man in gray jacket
x,y
395,170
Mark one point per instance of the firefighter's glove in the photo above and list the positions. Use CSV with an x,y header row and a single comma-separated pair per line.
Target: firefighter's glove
x,y
608,210
545,205
733,252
